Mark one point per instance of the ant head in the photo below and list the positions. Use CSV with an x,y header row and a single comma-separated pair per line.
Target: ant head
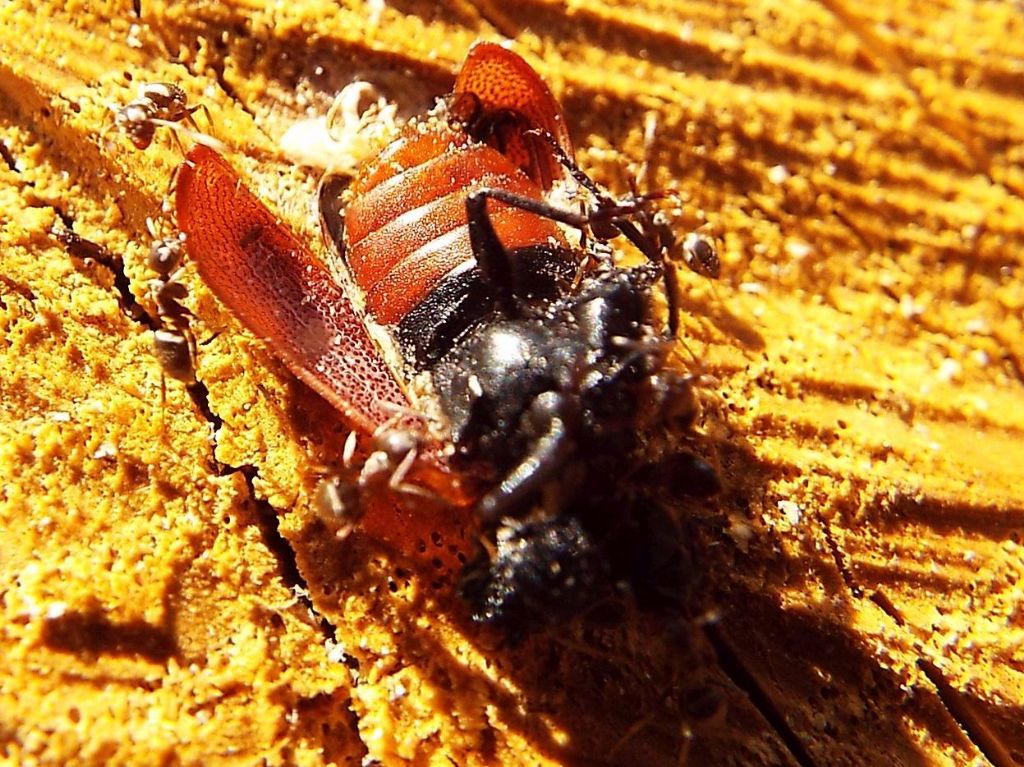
x,y
336,500
700,255
164,96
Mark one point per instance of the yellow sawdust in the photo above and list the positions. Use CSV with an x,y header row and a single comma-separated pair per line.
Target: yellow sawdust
x,y
864,396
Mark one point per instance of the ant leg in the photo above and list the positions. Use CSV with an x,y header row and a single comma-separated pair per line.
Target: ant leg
x,y
609,211
656,351
177,142
491,254
475,202
349,450
190,121
634,729
397,481
673,300
581,177
651,238
570,164
193,352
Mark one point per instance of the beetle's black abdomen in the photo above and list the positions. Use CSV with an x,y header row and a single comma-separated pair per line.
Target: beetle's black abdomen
x,y
462,299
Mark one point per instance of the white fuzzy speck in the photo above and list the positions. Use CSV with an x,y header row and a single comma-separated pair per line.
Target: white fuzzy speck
x,y
798,249
105,450
132,40
778,174
909,308
792,511
949,370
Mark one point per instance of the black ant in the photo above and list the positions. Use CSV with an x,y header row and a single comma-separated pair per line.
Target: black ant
x,y
338,496
650,231
159,105
336,499
173,343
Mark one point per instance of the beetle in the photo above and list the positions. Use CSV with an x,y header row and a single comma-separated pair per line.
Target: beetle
x,y
500,367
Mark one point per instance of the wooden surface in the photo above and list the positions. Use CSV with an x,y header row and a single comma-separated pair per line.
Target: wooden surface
x,y
167,596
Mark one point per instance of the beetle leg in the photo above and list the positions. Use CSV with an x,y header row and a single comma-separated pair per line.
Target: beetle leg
x,y
548,455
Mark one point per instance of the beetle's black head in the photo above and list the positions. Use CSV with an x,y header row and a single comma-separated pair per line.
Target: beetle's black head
x,y
541,571
612,549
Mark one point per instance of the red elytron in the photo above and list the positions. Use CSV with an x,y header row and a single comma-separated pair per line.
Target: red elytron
x,y
536,357
274,285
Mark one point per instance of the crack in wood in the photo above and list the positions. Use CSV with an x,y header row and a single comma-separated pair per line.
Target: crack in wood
x,y
886,606
837,556
81,248
269,525
955,702
8,157
85,250
973,726
730,663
